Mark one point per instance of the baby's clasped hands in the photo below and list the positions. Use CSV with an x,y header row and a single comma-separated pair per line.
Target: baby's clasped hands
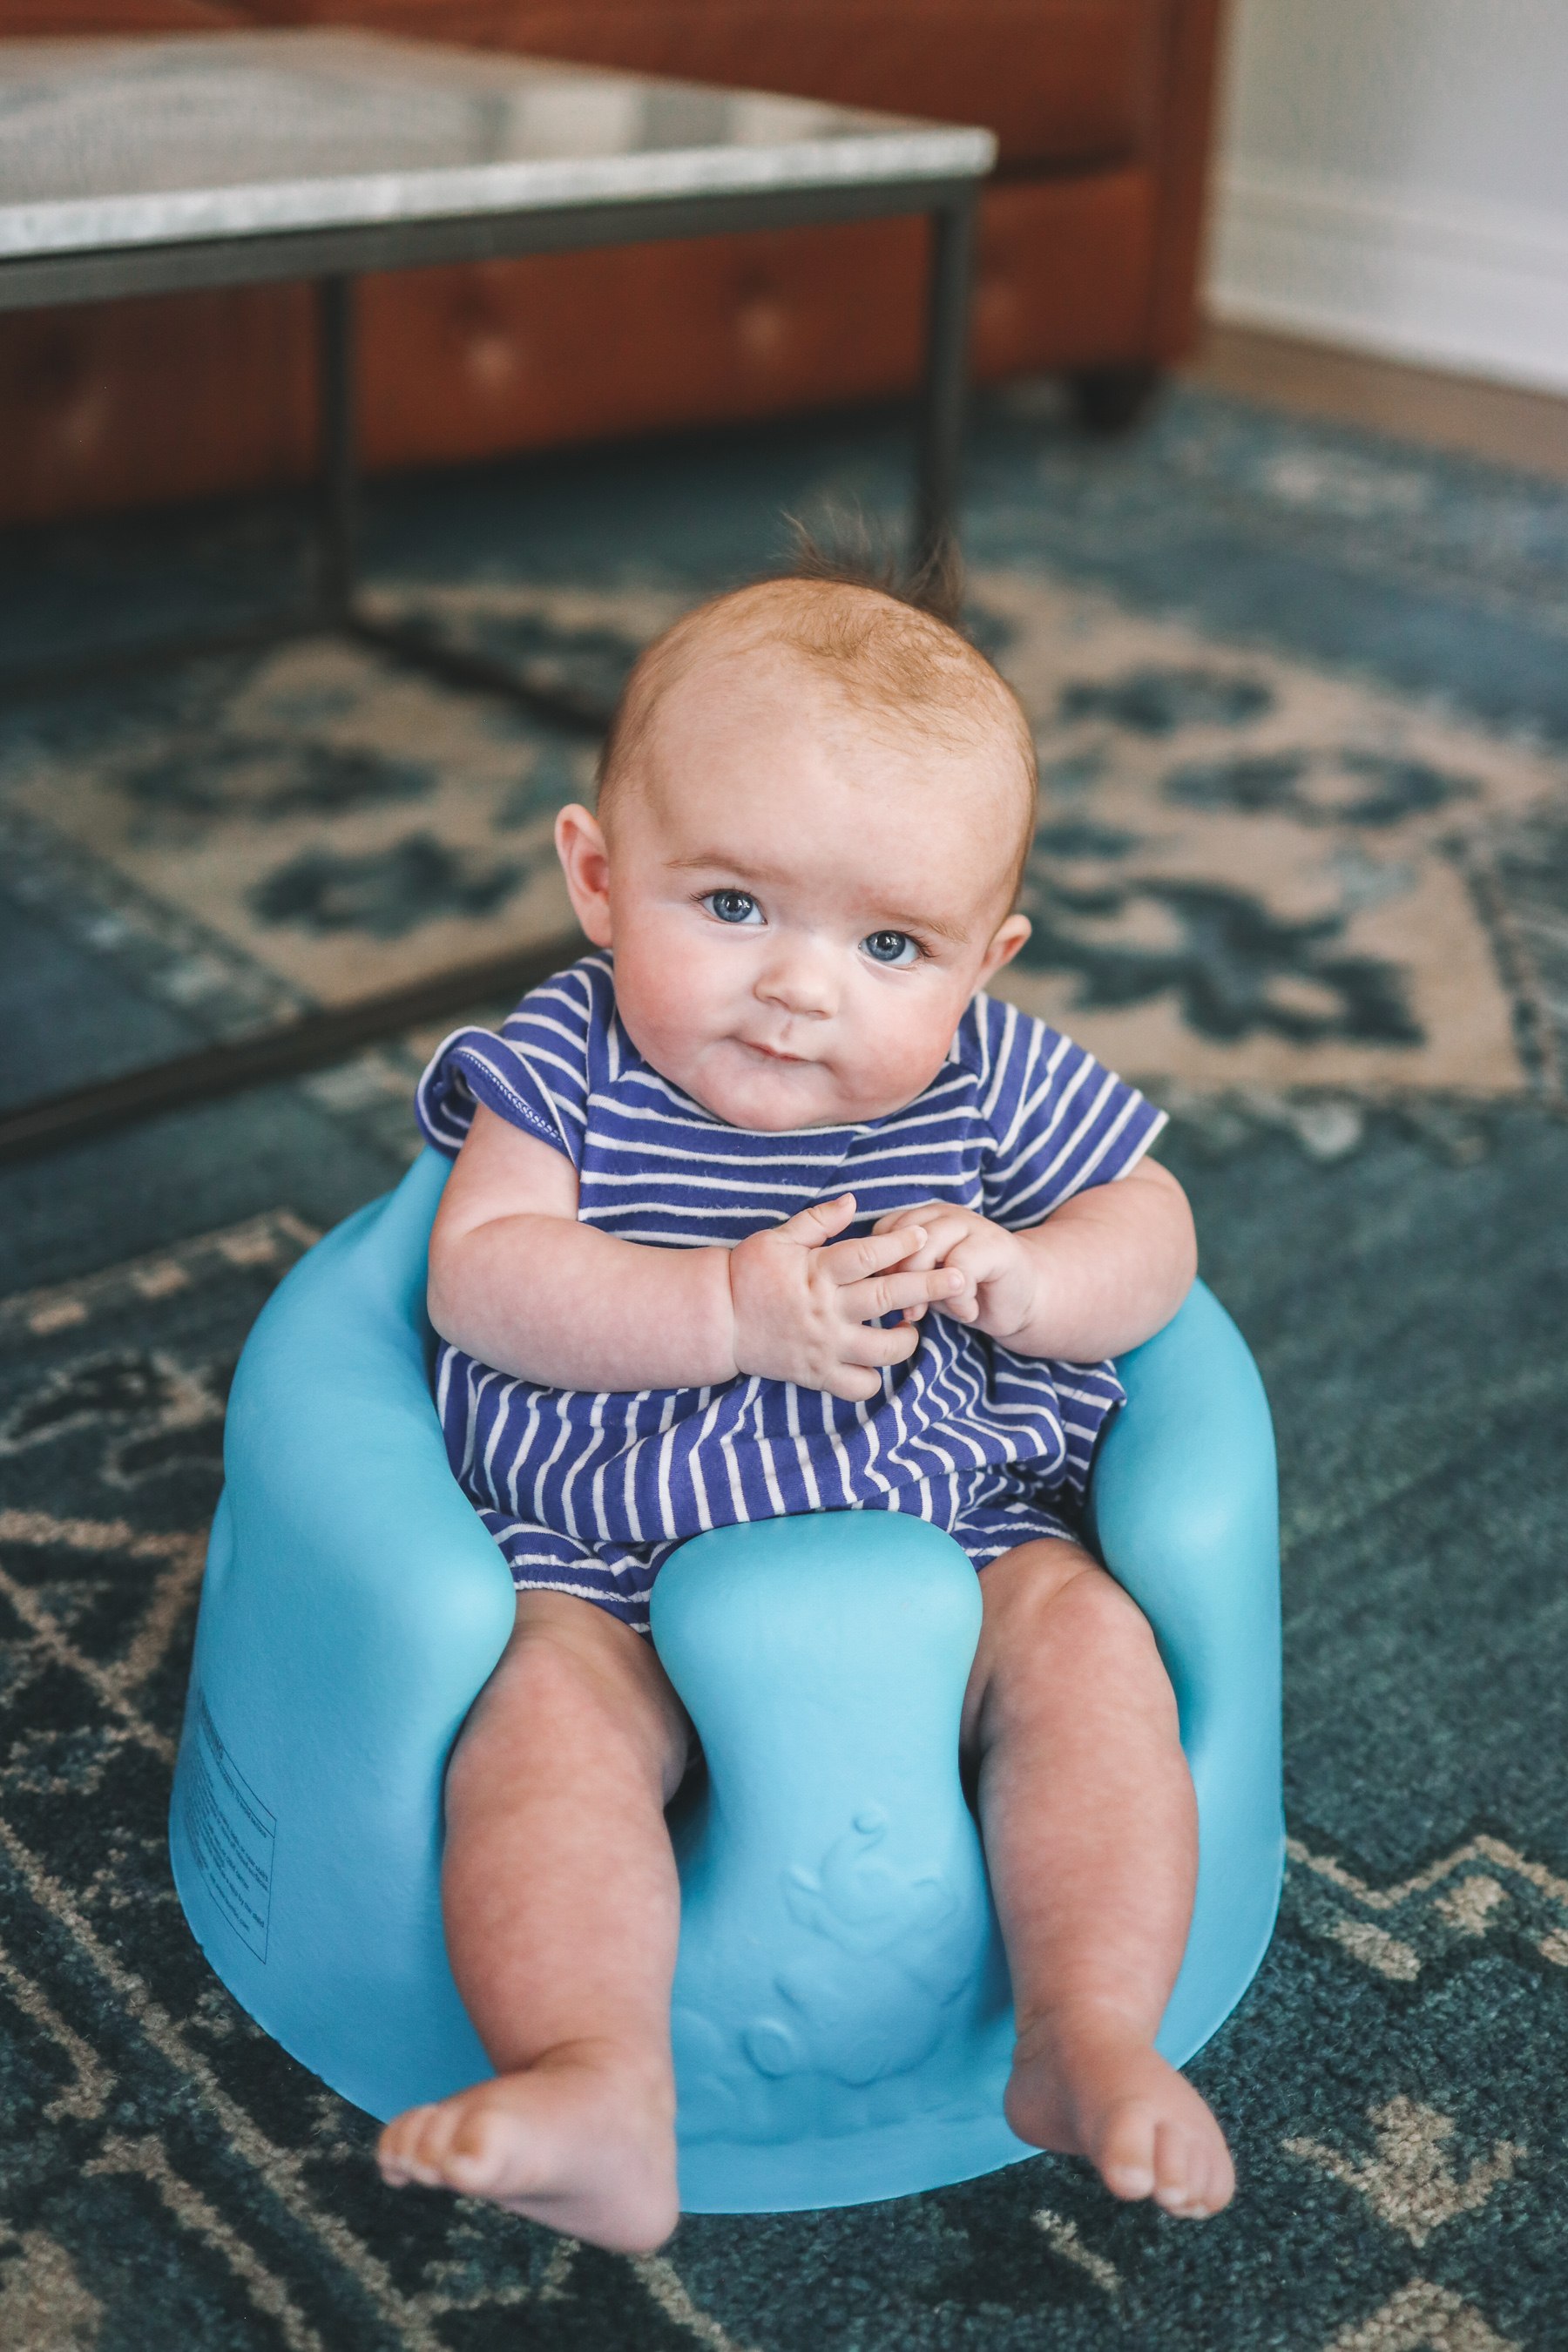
x,y
998,1284
804,1305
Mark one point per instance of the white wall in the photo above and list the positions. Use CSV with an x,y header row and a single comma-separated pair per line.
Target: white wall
x,y
1393,174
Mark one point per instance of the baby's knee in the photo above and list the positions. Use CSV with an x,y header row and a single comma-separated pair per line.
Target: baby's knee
x,y
1050,1608
1020,1591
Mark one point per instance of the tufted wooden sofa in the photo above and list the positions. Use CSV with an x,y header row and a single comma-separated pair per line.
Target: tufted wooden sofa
x,y
1087,255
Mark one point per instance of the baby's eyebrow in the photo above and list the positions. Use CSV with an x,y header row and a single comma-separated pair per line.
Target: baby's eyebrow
x,y
956,934
725,861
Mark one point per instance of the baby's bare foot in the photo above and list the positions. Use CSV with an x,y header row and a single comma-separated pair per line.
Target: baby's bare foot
x,y
1084,2091
583,2140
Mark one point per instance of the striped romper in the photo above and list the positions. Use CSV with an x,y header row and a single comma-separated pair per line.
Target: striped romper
x,y
589,1494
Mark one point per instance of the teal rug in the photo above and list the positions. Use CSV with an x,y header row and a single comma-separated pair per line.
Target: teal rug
x,y
1307,857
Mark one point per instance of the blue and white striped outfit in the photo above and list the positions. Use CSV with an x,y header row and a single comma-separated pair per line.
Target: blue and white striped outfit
x,y
590,1494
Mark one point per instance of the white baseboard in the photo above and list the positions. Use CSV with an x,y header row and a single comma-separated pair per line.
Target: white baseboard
x,y
1478,288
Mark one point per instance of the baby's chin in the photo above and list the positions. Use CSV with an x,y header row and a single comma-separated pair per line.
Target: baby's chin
x,y
747,1089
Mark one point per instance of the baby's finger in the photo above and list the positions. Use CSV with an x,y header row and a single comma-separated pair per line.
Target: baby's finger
x,y
869,1343
820,1222
962,1301
944,1236
961,1261
890,1294
850,1261
920,1214
854,1382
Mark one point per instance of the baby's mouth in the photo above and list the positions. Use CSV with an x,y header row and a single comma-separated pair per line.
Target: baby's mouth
x,y
771,1053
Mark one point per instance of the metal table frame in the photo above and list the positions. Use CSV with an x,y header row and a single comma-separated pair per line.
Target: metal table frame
x,y
332,257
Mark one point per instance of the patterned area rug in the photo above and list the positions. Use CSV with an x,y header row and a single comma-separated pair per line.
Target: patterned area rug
x,y
1300,702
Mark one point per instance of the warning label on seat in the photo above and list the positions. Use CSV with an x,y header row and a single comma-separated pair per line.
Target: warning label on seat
x,y
231,1831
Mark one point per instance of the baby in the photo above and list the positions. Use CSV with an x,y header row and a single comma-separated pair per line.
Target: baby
x,y
762,1207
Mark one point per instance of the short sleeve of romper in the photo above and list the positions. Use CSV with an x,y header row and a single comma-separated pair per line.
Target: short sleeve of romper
x,y
536,1074
1059,1122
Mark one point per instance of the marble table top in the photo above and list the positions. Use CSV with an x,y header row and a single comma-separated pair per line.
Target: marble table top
x,y
120,143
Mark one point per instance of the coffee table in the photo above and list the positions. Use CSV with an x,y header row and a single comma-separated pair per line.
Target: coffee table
x,y
132,166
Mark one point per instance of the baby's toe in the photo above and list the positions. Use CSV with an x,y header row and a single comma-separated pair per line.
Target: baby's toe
x,y
477,2147
1193,2172
1127,2153
1220,2184
402,2150
1181,2171
448,2145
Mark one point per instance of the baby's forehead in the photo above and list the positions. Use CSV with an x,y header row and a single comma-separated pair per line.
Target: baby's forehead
x,y
878,753
842,829
897,689
853,666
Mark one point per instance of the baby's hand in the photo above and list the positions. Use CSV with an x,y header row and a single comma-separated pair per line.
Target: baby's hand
x,y
803,1311
999,1291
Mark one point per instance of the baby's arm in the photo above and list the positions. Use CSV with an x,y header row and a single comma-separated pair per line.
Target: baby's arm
x,y
516,1281
1105,1271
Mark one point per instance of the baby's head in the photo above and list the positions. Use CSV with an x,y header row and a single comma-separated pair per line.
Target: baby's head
x,y
815,804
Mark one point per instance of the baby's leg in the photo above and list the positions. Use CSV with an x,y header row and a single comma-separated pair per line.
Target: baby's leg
x,y
563,1909
1091,1829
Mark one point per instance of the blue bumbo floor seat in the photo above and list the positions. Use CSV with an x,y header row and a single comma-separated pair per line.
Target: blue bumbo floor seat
x,y
841,2011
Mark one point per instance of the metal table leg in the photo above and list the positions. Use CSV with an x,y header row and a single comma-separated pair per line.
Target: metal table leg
x,y
947,374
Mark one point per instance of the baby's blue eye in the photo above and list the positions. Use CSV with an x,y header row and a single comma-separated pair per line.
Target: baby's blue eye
x,y
892,948
732,906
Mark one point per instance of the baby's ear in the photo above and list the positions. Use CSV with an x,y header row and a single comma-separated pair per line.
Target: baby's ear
x,y
585,861
1004,946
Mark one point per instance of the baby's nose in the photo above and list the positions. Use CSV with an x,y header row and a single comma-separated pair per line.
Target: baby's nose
x,y
799,979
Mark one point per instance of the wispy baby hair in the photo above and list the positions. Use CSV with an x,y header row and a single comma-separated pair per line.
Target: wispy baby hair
x,y
889,644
